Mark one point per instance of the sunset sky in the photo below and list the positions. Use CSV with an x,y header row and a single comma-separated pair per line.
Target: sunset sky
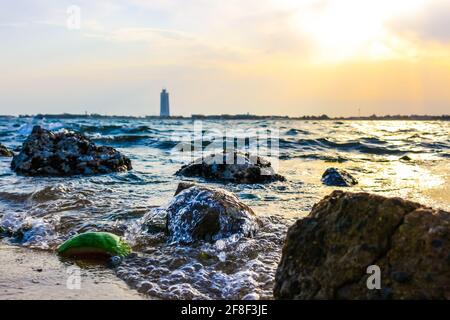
x,y
285,57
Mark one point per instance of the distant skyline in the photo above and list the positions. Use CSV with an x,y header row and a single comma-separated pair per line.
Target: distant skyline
x,y
264,57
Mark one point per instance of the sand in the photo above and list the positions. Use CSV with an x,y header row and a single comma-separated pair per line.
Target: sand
x,y
30,274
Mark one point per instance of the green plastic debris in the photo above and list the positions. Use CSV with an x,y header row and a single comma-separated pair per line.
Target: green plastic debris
x,y
94,244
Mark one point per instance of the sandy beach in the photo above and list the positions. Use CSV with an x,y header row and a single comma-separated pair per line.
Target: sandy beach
x,y
30,274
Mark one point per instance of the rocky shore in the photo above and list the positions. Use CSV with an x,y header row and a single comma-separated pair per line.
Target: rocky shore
x,y
328,254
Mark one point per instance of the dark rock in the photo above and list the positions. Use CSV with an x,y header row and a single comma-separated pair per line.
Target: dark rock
x,y
338,177
406,158
436,243
114,261
400,276
144,286
182,186
5,152
204,213
237,167
323,260
66,153
386,294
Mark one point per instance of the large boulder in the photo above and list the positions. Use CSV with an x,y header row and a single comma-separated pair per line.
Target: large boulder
x,y
205,213
66,153
327,254
5,152
338,177
232,166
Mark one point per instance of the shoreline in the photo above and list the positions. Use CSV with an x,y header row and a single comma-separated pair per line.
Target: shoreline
x,y
27,274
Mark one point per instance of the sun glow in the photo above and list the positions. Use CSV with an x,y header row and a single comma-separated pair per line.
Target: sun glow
x,y
354,28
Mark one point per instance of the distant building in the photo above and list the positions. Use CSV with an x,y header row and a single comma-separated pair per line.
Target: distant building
x,y
164,111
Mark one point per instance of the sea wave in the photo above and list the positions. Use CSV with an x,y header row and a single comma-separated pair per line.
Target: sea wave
x,y
25,129
119,139
41,195
294,132
117,129
325,144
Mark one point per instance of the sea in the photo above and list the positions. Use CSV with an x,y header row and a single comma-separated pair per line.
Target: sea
x,y
39,213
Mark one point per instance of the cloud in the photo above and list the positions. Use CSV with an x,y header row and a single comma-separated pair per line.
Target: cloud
x,y
138,34
262,26
432,23
260,56
232,26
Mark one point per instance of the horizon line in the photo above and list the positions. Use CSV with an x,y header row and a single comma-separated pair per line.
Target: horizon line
x,y
231,116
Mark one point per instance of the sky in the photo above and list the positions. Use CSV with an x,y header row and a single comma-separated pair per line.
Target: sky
x,y
265,57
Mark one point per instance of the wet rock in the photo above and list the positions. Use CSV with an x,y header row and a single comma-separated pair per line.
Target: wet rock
x,y
237,167
400,276
114,261
5,152
326,254
66,153
251,296
406,158
338,177
204,213
144,286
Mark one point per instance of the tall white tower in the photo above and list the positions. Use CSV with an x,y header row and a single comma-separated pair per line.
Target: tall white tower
x,y
164,110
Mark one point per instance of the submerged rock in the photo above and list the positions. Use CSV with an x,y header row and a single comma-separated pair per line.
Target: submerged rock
x,y
406,158
235,166
326,255
66,153
94,244
5,152
338,177
204,213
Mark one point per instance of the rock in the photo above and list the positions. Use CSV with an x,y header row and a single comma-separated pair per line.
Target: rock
x,y
209,214
251,296
182,186
66,153
94,244
5,152
406,158
237,167
326,254
114,261
338,177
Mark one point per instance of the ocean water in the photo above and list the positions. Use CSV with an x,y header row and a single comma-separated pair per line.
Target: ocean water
x,y
41,212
